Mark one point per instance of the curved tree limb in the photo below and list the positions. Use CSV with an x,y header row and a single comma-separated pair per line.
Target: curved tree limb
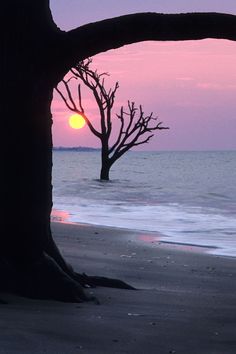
x,y
97,37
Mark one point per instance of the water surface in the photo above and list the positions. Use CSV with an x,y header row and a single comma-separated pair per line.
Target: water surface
x,y
188,197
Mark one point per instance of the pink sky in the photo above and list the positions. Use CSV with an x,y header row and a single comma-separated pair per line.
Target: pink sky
x,y
191,86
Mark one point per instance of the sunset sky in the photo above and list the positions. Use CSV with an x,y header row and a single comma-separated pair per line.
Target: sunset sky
x,y
190,86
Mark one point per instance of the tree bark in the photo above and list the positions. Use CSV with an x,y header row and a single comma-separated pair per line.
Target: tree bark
x,y
35,55
105,161
105,172
28,74
93,38
26,94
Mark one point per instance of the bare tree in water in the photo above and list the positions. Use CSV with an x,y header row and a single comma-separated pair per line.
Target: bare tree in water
x,y
135,127
35,56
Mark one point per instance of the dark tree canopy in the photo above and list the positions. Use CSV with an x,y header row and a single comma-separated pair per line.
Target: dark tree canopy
x,y
35,56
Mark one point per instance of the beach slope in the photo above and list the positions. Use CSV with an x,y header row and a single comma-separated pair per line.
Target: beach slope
x,y
185,302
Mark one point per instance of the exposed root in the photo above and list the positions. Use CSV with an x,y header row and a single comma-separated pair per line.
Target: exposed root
x,y
51,282
93,281
45,279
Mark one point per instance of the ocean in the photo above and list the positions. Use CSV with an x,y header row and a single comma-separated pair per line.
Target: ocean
x,y
186,197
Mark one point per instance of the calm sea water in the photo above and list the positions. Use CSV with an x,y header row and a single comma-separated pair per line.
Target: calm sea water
x,y
188,197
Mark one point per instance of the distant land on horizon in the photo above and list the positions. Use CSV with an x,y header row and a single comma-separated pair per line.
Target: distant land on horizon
x,y
92,149
75,148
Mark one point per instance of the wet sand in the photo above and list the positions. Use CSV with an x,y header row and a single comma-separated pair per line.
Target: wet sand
x,y
185,302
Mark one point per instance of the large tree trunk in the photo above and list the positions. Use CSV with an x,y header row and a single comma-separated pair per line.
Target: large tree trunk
x,y
34,56
26,93
27,73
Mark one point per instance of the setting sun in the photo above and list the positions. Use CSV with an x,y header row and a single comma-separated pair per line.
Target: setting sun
x,y
77,121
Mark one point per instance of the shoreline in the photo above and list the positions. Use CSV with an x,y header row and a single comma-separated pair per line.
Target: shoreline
x,y
62,217
185,301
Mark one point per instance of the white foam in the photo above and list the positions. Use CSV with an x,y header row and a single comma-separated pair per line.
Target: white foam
x,y
184,224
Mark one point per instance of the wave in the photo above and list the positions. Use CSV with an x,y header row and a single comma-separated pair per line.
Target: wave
x,y
183,224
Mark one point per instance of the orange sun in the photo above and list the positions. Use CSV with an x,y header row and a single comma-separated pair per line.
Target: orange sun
x,y
77,121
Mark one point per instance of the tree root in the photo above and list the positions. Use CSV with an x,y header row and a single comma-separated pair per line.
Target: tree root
x,y
93,281
45,279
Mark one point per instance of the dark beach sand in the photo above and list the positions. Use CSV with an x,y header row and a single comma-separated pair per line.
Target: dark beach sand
x,y
186,302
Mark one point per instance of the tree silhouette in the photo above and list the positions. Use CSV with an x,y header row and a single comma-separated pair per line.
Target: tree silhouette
x,y
135,127
35,56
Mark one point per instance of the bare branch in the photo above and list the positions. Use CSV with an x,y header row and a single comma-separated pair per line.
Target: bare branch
x,y
121,132
96,83
135,127
64,99
143,141
73,107
91,127
80,99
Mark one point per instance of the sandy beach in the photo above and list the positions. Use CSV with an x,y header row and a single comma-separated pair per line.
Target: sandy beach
x,y
185,302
